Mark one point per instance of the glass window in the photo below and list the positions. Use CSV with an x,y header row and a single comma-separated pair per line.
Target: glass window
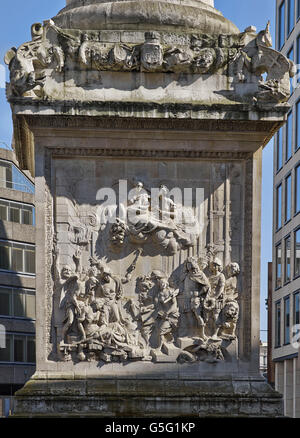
x,y
5,174
297,254
281,25
277,324
30,304
279,148
30,261
279,206
6,353
287,259
288,198
5,302
27,216
297,189
19,303
19,348
5,256
17,259
289,136
290,56
291,15
14,214
297,310
278,265
3,210
12,178
287,320
30,349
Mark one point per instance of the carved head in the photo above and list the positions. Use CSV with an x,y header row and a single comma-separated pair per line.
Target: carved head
x,y
205,59
163,190
231,310
139,186
216,266
144,284
93,272
160,279
66,272
233,269
191,265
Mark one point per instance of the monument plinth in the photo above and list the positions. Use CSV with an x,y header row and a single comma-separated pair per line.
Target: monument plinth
x,y
143,124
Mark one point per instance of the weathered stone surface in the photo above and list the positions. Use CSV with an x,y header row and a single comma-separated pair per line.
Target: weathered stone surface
x,y
155,14
122,111
147,398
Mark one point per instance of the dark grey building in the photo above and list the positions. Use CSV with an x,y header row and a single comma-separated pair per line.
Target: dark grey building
x,y
17,279
286,222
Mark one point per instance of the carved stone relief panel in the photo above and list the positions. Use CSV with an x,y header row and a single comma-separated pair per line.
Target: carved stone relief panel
x,y
144,270
73,63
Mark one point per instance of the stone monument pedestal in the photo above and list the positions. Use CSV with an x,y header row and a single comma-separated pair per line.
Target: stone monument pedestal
x,y
62,396
146,148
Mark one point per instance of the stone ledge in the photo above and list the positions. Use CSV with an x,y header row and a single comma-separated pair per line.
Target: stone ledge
x,y
147,398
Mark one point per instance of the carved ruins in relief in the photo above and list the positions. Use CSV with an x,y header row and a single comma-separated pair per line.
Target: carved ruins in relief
x,y
244,56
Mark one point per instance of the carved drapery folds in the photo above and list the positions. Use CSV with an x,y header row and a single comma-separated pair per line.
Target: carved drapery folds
x,y
244,58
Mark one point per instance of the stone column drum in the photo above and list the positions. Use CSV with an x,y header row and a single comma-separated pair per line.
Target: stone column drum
x,y
143,123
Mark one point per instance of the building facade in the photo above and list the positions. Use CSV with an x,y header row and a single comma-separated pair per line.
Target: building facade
x,y
286,223
17,279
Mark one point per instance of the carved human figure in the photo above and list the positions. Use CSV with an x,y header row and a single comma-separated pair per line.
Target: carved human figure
x,y
143,311
214,302
88,320
138,211
110,288
166,310
67,289
72,308
232,271
195,287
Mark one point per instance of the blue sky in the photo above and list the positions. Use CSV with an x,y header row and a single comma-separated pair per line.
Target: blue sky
x,y
16,18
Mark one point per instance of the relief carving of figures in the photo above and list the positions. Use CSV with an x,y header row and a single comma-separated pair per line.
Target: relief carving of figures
x,y
105,56
195,287
27,64
258,57
52,48
188,321
166,310
154,223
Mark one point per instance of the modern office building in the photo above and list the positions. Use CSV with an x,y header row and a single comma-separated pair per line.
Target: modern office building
x,y
17,279
286,223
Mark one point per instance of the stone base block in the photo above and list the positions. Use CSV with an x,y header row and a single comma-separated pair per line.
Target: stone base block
x,y
147,398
